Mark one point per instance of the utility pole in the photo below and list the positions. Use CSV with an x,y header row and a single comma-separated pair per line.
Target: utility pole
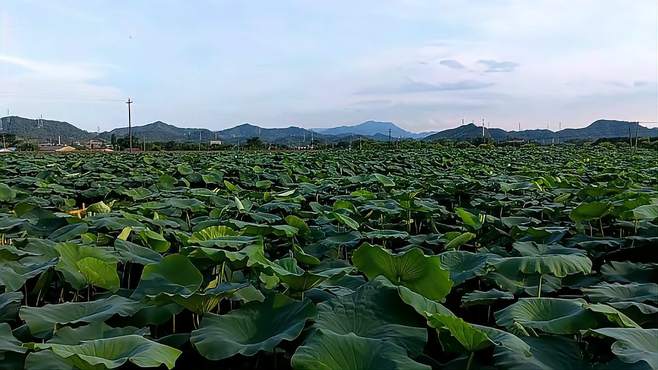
x,y
482,128
130,128
389,137
199,140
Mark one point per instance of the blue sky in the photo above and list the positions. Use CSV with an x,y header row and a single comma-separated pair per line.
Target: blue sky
x,y
424,65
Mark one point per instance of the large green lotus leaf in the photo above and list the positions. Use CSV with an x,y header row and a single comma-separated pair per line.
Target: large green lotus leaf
x,y
79,277
412,269
46,360
7,341
387,234
155,240
10,302
69,232
550,315
458,239
299,280
469,219
134,253
111,353
174,274
501,338
298,223
634,292
478,297
6,193
257,326
303,257
641,313
613,315
253,254
630,272
469,337
517,282
543,259
633,344
647,212
95,330
14,274
384,180
547,353
184,169
219,236
464,265
326,350
346,220
374,311
589,211
421,304
203,301
100,207
153,314
42,320
100,273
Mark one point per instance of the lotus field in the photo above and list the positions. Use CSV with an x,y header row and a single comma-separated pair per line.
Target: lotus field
x,y
456,258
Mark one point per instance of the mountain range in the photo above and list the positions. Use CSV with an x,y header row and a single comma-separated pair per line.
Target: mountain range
x,y
49,130
373,128
596,130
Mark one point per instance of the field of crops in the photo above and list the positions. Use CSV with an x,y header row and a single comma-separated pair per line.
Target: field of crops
x,y
456,258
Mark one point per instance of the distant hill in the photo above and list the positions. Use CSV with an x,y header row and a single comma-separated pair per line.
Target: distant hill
x,y
287,136
597,130
49,130
468,132
160,131
375,129
42,129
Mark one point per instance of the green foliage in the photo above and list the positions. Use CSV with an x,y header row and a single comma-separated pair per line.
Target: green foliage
x,y
519,257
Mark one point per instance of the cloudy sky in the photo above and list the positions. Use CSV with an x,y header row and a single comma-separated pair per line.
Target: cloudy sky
x,y
424,64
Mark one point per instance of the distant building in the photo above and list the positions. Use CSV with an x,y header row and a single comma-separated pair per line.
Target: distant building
x,y
215,142
96,144
49,147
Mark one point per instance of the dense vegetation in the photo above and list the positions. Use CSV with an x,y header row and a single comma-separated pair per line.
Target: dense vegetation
x,y
460,258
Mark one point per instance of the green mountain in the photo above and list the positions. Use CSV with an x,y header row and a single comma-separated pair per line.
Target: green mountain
x,y
469,132
162,132
287,136
597,130
49,130
43,129
375,129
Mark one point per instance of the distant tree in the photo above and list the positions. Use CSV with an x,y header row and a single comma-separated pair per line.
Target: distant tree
x,y
254,143
113,140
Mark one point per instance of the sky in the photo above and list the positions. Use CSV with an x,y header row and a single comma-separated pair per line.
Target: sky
x,y
423,64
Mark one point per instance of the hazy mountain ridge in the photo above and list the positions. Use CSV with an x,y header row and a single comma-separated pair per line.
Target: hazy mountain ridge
x,y
371,128
596,130
42,129
49,130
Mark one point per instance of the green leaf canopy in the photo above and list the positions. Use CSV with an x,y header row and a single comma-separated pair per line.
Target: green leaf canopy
x,y
412,269
633,344
375,311
42,320
111,353
326,350
257,326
